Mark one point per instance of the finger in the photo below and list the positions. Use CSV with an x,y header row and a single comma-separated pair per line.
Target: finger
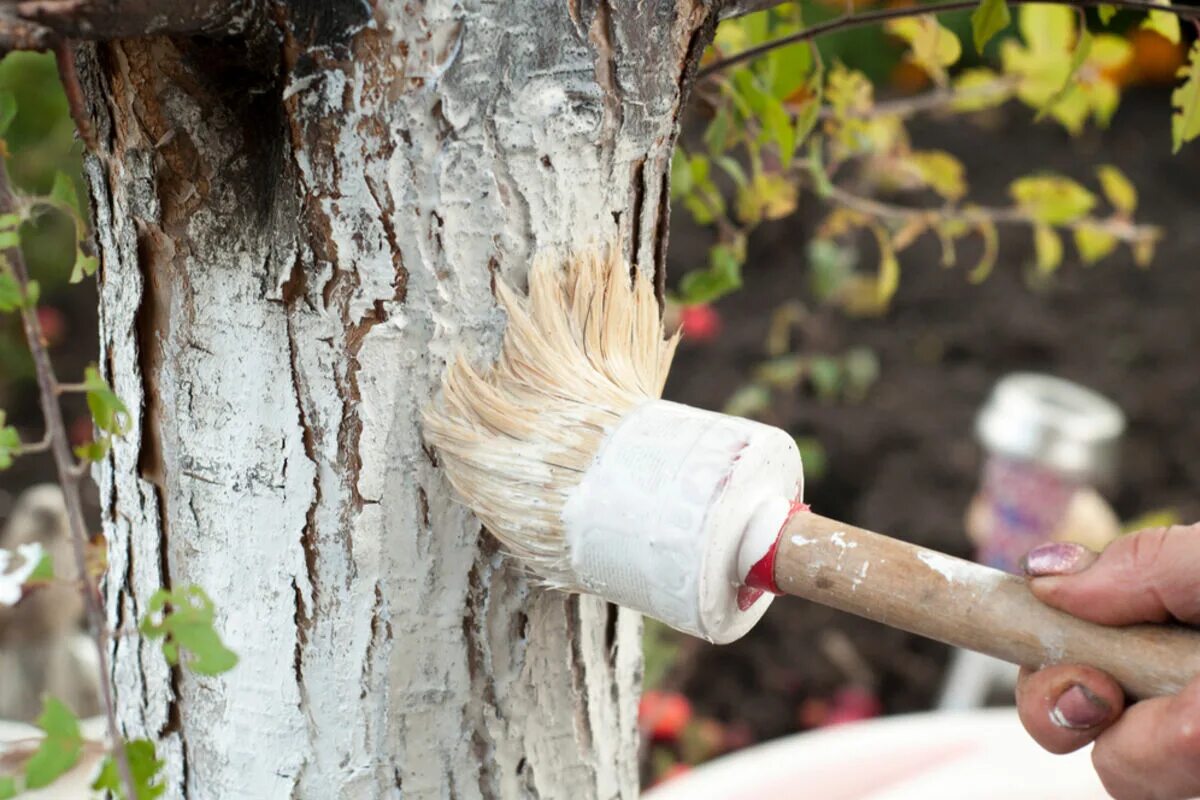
x,y
1149,576
1153,751
1065,707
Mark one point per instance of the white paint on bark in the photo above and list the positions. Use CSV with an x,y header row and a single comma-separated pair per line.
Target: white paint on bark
x,y
284,279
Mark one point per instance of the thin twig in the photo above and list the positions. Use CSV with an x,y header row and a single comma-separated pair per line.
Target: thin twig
x,y
999,215
31,448
64,57
845,22
69,477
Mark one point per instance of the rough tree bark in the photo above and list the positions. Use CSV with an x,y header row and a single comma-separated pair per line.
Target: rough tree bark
x,y
299,225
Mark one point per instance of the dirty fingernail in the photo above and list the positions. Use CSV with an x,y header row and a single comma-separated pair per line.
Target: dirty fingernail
x,y
1056,558
1079,708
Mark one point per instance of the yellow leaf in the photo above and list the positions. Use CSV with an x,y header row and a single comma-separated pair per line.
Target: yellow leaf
x,y
848,92
934,46
889,267
979,88
1185,123
909,233
1051,199
1143,250
991,247
1164,23
1109,52
941,171
1117,188
1093,242
1047,28
841,221
1047,247
766,196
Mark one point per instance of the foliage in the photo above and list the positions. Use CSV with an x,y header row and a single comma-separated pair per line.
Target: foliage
x,y
145,766
183,619
795,119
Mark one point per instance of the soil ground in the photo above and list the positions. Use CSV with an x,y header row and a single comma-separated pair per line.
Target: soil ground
x,y
903,460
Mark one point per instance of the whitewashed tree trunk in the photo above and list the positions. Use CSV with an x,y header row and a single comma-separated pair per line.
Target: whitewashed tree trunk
x,y
298,229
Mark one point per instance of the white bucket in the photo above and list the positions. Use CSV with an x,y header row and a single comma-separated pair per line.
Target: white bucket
x,y
981,754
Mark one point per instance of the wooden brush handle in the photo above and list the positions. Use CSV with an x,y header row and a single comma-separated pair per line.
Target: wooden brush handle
x,y
971,606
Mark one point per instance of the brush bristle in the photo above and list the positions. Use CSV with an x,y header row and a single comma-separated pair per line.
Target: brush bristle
x,y
586,346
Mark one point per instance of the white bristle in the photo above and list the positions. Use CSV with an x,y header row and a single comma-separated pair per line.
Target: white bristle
x,y
584,348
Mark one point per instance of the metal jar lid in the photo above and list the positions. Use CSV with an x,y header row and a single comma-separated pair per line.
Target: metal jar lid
x,y
1055,423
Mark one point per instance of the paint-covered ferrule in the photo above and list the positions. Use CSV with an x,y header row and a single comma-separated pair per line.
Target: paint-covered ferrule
x,y
676,498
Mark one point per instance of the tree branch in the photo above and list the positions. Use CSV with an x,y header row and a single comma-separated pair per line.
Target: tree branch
x,y
846,22
68,477
40,24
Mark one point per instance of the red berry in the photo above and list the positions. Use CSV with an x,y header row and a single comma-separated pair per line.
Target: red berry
x,y
54,324
664,715
81,430
700,323
853,703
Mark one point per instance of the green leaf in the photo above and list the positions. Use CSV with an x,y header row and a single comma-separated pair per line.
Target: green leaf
x,y
8,787
188,625
1093,242
1106,13
33,293
11,297
1185,124
59,750
724,275
825,373
85,266
10,443
10,221
95,450
681,174
1047,248
9,239
144,765
8,110
748,401
44,571
1117,188
1051,199
813,457
991,17
108,411
63,194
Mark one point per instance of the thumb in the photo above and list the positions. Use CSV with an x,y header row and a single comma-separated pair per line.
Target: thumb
x,y
1149,576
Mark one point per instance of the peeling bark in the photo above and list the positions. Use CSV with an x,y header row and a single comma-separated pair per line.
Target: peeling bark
x,y
298,230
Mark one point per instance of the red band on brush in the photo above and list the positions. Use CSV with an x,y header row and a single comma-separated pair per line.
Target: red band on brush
x,y
761,577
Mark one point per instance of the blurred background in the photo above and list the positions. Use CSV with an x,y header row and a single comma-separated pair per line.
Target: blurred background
x,y
882,404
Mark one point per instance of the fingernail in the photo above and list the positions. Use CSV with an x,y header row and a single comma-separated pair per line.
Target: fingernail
x,y
1056,558
1079,708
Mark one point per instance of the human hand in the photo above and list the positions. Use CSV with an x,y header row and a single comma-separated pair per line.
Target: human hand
x,y
1150,750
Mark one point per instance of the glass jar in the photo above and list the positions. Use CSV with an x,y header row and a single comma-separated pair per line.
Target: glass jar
x,y
1049,442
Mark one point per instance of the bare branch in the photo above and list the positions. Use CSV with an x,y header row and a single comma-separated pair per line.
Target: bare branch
x,y
882,15
69,477
38,24
740,8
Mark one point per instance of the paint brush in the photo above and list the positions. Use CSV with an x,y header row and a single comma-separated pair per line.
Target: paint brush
x,y
565,451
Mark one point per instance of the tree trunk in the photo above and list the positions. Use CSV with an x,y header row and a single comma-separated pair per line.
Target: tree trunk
x,y
298,230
